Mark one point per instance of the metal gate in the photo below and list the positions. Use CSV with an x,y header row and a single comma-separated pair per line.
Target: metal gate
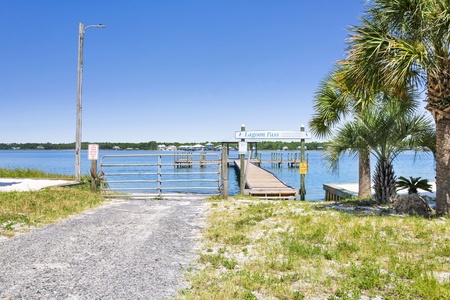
x,y
160,175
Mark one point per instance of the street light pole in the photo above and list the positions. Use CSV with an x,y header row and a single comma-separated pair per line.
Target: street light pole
x,y
81,31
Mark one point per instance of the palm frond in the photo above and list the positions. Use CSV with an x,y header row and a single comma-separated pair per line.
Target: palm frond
x,y
413,184
331,105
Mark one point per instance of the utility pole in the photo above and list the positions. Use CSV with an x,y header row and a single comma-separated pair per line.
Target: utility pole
x,y
81,31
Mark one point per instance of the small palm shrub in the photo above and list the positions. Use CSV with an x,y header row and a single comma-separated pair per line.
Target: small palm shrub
x,y
413,184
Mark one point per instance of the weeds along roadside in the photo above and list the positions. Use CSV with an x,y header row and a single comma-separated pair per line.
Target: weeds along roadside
x,y
19,211
255,249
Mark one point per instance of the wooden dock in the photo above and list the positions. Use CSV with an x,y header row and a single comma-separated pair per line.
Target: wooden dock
x,y
341,191
337,192
263,184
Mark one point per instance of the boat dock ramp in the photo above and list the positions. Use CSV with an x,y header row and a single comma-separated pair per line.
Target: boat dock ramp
x,y
263,184
340,191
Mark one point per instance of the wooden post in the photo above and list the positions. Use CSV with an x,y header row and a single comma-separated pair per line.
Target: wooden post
x,y
93,157
94,175
302,160
242,164
224,171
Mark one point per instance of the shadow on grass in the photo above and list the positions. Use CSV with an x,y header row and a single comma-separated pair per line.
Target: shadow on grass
x,y
366,207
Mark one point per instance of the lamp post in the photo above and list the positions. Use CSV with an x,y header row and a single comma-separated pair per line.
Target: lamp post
x,y
81,32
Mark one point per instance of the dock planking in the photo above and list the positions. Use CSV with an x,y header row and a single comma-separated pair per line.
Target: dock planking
x,y
261,183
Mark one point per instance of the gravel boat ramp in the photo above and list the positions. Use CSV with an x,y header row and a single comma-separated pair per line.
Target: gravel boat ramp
x,y
125,249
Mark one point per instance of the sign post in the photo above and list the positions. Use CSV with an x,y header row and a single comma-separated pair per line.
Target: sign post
x,y
242,151
93,157
276,135
303,167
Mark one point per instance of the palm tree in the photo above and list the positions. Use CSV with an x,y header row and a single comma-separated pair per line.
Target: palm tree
x,y
332,104
413,184
388,128
403,43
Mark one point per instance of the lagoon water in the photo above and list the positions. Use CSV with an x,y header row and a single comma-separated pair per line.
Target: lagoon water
x,y
63,162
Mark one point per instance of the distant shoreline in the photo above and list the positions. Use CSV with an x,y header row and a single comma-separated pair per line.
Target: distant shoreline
x,y
153,145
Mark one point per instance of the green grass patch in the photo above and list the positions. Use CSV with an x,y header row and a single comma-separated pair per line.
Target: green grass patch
x,y
256,249
30,173
21,210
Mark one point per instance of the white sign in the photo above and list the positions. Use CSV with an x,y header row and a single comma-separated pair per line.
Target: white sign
x,y
93,151
272,135
242,147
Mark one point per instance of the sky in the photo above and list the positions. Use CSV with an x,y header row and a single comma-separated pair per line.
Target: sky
x,y
172,70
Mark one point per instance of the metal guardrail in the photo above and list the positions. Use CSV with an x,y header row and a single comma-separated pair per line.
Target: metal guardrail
x,y
160,175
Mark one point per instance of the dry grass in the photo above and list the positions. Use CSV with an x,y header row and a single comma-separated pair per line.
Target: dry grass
x,y
298,250
20,211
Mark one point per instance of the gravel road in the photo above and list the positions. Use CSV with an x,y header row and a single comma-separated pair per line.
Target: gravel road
x,y
132,249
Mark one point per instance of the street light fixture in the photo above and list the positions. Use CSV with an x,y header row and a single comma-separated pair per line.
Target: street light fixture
x,y
82,30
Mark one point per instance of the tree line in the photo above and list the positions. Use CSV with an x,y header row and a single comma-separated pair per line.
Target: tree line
x,y
152,145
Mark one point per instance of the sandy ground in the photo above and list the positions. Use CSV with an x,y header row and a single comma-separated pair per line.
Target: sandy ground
x,y
125,249
20,184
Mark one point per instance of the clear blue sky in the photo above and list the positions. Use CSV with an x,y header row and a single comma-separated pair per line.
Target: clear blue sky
x,y
172,70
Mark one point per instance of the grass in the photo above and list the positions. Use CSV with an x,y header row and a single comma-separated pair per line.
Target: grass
x,y
20,211
257,249
30,173
254,249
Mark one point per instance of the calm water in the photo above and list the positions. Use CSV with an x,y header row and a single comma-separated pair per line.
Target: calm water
x,y
63,162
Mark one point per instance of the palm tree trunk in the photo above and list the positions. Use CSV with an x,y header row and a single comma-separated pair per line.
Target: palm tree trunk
x,y
442,165
364,190
384,181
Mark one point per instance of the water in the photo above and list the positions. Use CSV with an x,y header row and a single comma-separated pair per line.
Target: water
x,y
153,172
63,162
